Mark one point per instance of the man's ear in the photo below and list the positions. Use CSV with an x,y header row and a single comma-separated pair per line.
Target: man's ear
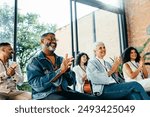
x,y
3,49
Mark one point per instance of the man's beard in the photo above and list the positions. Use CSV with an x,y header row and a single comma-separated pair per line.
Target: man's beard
x,y
10,57
51,47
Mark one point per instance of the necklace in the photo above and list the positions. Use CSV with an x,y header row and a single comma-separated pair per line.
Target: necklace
x,y
136,66
83,68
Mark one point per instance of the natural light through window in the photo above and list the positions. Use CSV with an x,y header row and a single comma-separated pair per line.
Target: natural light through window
x,y
111,2
53,11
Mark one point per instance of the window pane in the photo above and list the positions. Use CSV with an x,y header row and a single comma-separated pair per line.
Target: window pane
x,y
6,21
83,10
85,27
99,26
49,11
93,25
108,32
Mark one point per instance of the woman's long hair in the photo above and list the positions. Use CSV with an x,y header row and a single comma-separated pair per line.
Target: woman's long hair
x,y
126,55
78,58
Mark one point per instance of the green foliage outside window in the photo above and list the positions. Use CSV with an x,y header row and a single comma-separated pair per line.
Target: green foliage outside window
x,y
147,54
29,30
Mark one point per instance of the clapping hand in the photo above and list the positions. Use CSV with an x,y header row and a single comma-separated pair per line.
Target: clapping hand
x,y
66,64
11,69
141,63
117,61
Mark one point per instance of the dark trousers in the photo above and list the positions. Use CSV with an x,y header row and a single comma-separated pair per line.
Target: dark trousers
x,y
70,95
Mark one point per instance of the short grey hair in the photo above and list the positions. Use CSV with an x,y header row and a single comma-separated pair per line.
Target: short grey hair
x,y
97,44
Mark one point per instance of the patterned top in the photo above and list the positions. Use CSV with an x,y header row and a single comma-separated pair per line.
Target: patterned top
x,y
8,84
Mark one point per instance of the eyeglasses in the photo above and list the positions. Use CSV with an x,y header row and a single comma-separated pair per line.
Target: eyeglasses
x,y
51,39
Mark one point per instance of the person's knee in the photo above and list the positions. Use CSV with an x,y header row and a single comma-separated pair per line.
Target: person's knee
x,y
134,96
23,96
136,84
28,95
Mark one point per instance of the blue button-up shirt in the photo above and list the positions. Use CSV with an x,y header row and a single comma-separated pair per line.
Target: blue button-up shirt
x,y
40,73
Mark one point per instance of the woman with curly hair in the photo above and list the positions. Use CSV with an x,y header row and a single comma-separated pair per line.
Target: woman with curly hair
x,y
134,68
80,71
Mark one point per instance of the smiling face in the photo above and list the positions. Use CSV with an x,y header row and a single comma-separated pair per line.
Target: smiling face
x,y
84,59
100,50
133,55
7,52
49,42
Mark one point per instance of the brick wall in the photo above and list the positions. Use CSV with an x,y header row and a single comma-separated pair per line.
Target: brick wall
x,y
138,20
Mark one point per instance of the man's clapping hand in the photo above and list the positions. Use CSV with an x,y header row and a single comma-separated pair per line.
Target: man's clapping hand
x,y
66,64
11,69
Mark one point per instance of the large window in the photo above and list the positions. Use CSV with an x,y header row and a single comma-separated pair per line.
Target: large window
x,y
48,11
98,25
64,33
36,17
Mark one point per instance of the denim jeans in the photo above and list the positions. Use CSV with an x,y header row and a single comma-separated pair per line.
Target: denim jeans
x,y
129,90
69,95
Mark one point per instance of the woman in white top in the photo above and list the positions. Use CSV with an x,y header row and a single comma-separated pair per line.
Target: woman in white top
x,y
134,68
80,71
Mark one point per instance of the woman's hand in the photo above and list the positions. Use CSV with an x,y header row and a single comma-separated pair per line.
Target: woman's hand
x,y
141,63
